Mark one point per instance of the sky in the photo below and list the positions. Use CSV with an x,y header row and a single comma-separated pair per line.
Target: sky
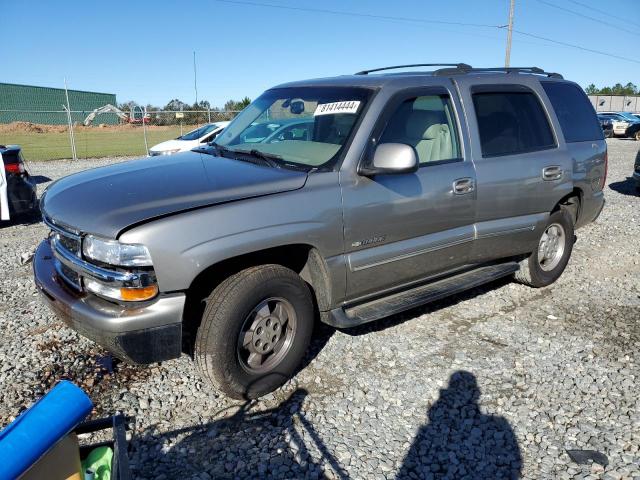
x,y
143,50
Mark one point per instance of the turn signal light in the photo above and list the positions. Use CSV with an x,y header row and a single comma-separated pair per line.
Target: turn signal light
x,y
138,294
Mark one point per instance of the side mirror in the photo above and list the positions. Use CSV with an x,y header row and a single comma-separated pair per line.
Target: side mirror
x,y
390,158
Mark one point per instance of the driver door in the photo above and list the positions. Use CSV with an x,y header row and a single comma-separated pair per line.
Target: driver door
x,y
403,228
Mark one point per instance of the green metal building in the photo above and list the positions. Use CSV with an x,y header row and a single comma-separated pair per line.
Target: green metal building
x,y
44,105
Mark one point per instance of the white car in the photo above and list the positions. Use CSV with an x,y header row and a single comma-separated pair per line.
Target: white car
x,y
189,140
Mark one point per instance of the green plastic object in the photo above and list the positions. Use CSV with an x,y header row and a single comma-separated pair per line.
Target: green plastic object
x,y
99,461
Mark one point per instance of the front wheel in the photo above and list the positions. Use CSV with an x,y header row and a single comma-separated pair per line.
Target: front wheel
x,y
255,331
545,265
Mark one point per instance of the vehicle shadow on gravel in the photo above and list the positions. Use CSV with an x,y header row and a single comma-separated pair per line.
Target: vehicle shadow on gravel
x,y
459,441
30,218
626,187
272,443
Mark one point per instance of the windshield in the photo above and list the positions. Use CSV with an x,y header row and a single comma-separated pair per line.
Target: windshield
x,y
628,116
303,125
198,132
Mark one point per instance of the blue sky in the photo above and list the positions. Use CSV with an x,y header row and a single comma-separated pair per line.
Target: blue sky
x,y
142,50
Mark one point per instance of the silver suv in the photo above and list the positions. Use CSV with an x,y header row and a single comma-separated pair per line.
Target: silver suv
x,y
393,190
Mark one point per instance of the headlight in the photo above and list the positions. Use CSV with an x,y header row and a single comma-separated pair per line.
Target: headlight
x,y
113,252
170,152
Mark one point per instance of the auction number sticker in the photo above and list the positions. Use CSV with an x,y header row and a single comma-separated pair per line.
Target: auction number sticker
x,y
350,106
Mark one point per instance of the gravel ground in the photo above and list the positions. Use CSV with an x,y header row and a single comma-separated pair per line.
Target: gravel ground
x,y
495,383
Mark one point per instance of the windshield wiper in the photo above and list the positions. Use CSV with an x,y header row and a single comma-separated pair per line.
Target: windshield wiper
x,y
268,158
220,150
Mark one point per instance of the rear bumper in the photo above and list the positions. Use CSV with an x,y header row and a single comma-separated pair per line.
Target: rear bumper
x,y
22,195
140,334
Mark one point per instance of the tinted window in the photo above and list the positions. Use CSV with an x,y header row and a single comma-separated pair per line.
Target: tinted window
x,y
511,122
425,123
574,111
11,156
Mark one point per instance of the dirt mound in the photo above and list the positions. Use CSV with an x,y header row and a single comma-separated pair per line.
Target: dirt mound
x,y
28,127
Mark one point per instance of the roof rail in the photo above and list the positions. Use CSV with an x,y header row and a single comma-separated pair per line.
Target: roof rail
x,y
460,66
531,70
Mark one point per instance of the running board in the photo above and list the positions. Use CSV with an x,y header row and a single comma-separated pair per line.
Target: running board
x,y
408,299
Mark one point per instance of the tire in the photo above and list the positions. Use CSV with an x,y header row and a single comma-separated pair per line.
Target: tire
x,y
637,135
231,317
536,273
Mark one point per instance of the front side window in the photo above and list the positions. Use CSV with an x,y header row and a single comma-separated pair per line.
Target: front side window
x,y
308,126
511,122
574,111
426,124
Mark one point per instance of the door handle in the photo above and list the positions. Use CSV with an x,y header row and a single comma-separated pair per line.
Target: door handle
x,y
463,185
553,172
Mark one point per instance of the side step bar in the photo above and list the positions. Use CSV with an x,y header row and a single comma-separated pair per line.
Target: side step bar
x,y
352,316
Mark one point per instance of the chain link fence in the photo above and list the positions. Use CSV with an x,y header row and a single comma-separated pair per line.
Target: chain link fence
x,y
48,135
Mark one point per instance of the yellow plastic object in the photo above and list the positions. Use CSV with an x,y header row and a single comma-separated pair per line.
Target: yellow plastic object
x,y
61,462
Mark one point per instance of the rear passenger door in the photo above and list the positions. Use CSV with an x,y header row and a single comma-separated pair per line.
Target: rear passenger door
x,y
400,228
521,170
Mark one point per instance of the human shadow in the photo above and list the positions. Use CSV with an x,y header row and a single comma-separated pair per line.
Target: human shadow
x,y
460,442
276,443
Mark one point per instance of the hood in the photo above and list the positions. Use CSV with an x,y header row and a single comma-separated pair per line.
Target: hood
x,y
173,144
104,201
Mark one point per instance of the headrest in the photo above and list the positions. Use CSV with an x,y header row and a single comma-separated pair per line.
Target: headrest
x,y
419,122
434,131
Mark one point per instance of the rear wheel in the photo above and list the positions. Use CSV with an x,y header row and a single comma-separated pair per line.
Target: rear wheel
x,y
637,135
255,330
545,265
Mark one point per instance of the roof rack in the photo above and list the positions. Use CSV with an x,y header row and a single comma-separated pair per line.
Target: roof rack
x,y
464,70
460,66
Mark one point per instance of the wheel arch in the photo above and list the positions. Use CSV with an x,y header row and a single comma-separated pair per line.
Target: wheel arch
x,y
572,202
304,259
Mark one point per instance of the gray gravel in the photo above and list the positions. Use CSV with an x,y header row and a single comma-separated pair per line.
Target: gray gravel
x,y
495,383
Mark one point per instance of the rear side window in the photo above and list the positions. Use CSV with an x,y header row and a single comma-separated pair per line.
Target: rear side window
x,y
574,111
511,122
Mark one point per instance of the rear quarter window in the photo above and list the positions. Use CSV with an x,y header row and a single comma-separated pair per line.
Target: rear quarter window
x,y
574,111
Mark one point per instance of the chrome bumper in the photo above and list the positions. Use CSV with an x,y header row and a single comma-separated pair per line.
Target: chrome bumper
x,y
145,333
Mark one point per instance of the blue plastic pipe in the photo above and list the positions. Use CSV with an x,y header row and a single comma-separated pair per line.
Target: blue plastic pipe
x,y
38,429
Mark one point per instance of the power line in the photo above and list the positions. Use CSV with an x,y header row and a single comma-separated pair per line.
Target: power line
x,y
355,14
532,35
421,20
604,12
579,14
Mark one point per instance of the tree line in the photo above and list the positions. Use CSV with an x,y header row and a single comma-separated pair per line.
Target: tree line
x,y
617,89
176,105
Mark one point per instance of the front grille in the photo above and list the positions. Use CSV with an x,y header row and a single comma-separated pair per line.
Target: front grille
x,y
64,242
70,276
71,244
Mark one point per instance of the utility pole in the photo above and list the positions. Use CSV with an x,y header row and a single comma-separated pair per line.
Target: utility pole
x,y
507,57
195,76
